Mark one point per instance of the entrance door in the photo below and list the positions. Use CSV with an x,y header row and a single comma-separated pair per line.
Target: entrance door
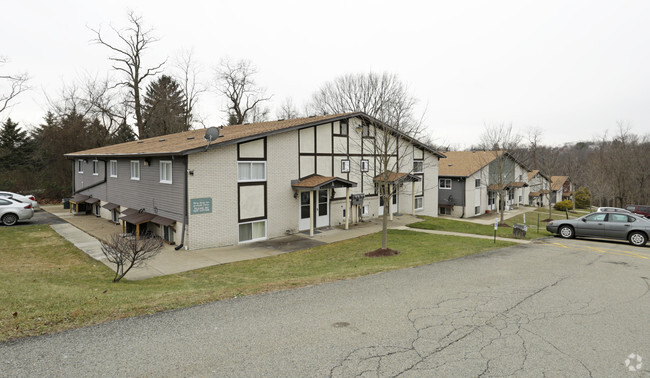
x,y
381,204
321,209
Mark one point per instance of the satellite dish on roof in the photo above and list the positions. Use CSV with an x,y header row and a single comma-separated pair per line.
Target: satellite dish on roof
x,y
211,134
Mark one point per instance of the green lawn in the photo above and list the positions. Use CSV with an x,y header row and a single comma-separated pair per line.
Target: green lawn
x,y
448,224
48,285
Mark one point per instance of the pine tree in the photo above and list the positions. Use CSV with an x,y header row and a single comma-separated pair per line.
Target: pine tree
x,y
164,108
123,134
14,147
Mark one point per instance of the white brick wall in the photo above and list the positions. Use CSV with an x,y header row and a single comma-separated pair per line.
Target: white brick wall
x,y
282,167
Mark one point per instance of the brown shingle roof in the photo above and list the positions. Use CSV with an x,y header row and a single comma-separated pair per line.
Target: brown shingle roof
x,y
395,177
558,181
465,163
532,174
318,181
182,143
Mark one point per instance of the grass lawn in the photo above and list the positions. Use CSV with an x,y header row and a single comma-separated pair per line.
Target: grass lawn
x,y
48,285
447,224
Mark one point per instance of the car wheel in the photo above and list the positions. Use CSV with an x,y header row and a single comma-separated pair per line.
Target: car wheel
x,y
638,239
566,232
9,219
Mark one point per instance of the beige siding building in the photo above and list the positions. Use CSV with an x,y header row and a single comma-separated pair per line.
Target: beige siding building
x,y
263,180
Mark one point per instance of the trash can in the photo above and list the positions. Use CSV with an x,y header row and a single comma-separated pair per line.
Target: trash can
x,y
519,230
66,203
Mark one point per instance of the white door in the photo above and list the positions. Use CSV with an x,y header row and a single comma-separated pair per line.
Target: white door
x,y
381,204
321,210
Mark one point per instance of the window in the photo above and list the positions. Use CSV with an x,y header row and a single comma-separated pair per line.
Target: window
x,y
445,183
343,127
477,183
521,199
135,169
95,168
365,165
477,210
345,166
491,197
444,211
622,218
365,131
365,210
251,171
511,195
419,203
80,166
168,234
596,217
252,231
97,210
165,171
113,168
521,178
115,216
418,166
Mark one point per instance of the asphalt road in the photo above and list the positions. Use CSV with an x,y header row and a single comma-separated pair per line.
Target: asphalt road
x,y
560,308
40,217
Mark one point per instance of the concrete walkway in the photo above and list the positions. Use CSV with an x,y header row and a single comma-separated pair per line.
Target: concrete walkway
x,y
85,231
451,233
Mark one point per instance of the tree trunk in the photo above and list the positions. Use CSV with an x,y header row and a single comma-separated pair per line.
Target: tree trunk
x,y
138,112
384,221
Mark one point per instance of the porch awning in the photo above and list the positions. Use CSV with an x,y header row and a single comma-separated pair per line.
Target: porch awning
x,y
512,184
517,184
394,177
92,200
130,211
446,206
79,198
138,218
110,206
497,187
533,194
163,221
315,182
567,194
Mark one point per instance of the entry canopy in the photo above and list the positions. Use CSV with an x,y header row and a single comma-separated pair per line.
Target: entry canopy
x,y
315,182
111,206
79,198
396,177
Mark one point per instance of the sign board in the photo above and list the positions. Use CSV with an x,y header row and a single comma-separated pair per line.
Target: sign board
x,y
200,205
496,224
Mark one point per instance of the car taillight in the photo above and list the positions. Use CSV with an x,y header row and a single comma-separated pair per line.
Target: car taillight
x,y
32,198
28,206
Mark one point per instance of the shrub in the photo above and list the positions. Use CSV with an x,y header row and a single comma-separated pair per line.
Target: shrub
x,y
564,205
582,197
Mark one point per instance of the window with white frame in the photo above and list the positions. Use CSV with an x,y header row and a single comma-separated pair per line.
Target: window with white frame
x,y
511,194
166,171
135,169
477,210
115,216
419,203
418,166
80,166
365,165
343,127
251,171
113,168
168,234
251,231
491,197
445,183
444,211
95,167
521,199
365,210
345,166
477,183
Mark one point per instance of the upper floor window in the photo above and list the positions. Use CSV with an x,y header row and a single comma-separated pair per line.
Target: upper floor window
x,y
477,183
365,131
365,165
445,183
95,167
80,166
251,171
345,166
166,171
343,128
418,166
135,169
113,168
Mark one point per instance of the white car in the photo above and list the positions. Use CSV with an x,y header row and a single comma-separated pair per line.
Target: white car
x,y
12,210
615,209
27,199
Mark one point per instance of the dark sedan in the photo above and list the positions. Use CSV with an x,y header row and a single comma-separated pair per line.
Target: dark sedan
x,y
610,225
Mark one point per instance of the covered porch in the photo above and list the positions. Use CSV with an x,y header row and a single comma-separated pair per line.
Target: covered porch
x,y
392,181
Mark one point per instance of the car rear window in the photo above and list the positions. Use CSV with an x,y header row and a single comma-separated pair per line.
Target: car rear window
x,y
643,209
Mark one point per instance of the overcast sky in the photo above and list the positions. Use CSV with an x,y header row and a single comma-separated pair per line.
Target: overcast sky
x,y
572,68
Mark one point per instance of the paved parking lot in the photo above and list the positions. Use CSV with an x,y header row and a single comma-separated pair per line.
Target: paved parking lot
x,y
556,307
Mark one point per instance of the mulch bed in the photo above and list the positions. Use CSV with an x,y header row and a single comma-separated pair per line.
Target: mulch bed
x,y
504,225
382,253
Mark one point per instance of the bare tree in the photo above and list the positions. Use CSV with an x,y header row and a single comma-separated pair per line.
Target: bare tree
x,y
234,80
129,252
499,139
127,53
287,110
189,80
11,85
386,99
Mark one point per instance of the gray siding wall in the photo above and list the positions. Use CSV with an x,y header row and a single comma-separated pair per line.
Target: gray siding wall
x,y
457,191
86,179
149,193
507,168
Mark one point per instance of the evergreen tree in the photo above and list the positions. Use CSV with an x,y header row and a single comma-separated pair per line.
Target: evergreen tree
x,y
14,146
123,134
164,108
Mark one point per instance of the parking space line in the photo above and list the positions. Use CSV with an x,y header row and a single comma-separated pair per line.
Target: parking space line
x,y
611,252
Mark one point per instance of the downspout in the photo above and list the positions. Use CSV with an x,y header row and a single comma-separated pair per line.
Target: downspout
x,y
184,206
